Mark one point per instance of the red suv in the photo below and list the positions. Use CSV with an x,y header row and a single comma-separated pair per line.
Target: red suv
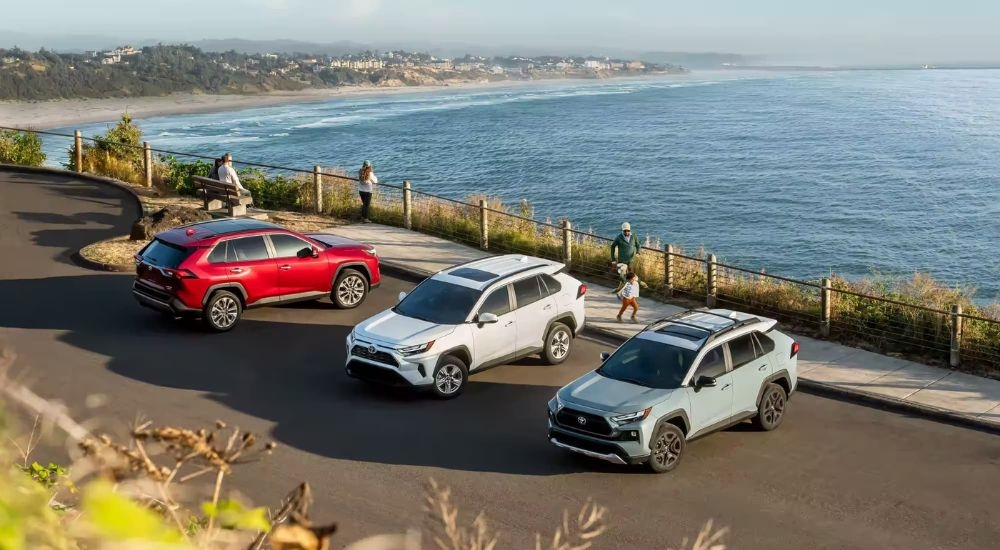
x,y
216,269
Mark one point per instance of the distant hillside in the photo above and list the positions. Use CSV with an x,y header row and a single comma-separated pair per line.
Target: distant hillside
x,y
700,60
240,45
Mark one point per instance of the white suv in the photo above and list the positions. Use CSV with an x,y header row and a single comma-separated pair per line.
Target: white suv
x,y
468,318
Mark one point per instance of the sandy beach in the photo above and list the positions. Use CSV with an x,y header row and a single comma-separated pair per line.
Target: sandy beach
x,y
43,115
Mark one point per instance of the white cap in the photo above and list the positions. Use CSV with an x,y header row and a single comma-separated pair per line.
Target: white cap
x,y
626,226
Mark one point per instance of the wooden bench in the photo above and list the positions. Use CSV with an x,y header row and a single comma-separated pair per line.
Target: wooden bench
x,y
218,194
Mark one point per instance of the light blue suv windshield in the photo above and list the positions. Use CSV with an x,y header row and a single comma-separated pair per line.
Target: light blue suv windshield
x,y
438,302
648,363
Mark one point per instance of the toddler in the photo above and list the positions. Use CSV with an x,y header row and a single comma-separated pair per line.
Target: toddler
x,y
629,295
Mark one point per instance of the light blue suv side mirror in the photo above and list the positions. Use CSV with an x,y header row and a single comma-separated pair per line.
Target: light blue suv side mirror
x,y
401,296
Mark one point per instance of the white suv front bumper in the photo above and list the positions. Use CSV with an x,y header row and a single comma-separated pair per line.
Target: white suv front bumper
x,y
377,363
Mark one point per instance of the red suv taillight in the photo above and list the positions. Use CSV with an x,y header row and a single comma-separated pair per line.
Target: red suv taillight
x,y
795,349
180,273
581,291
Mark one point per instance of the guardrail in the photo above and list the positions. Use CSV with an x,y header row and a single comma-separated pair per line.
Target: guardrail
x,y
827,308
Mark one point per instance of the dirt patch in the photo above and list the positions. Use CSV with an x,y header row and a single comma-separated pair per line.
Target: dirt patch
x,y
165,218
113,252
303,223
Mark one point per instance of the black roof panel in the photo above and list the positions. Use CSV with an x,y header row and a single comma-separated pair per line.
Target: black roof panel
x,y
477,275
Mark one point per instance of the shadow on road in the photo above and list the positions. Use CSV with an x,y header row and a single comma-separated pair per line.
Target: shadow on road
x,y
58,223
292,374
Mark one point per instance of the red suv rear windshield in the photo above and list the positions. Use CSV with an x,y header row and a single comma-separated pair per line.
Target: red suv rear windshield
x,y
164,254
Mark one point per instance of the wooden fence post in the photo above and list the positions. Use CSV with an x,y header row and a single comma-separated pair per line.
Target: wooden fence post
x,y
668,270
78,150
317,189
711,270
407,206
484,226
147,163
567,242
956,335
824,309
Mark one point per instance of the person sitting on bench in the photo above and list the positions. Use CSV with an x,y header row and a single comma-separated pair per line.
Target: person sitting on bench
x,y
228,174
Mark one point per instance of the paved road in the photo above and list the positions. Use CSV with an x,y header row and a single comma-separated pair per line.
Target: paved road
x,y
835,475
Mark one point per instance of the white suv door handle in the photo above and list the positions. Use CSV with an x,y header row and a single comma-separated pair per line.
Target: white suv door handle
x,y
548,307
762,367
509,323
726,386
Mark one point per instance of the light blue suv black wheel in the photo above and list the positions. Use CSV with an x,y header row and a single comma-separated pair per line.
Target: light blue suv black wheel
x,y
667,448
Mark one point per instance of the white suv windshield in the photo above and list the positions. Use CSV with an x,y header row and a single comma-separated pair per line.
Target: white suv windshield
x,y
648,363
438,302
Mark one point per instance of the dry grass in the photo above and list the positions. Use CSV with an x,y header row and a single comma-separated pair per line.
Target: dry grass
x,y
117,252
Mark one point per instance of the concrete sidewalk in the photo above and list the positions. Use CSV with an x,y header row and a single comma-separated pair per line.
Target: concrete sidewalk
x,y
823,365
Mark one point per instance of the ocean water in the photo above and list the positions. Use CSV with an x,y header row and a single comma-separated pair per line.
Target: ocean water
x,y
802,174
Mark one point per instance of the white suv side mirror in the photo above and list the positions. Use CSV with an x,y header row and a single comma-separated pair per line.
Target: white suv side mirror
x,y
487,318
401,296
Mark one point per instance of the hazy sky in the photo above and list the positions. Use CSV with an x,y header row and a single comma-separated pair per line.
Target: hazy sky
x,y
846,31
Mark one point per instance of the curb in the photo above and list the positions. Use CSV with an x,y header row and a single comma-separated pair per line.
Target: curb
x,y
812,387
85,262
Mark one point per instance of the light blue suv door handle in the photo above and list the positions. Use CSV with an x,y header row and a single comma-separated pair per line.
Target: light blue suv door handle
x,y
762,367
726,386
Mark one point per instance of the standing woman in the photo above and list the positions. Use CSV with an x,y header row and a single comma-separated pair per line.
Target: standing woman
x,y
366,178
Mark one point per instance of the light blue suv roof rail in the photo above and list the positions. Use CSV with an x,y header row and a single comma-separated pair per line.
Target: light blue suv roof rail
x,y
711,334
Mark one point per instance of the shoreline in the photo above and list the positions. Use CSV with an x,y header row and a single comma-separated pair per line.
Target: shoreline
x,y
60,113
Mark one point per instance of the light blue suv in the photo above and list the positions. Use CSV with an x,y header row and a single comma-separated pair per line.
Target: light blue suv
x,y
680,378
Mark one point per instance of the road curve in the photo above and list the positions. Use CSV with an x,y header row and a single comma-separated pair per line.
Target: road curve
x,y
835,475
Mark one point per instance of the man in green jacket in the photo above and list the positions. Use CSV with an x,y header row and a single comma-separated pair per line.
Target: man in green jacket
x,y
626,245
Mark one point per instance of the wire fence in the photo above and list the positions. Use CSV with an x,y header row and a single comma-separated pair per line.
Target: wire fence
x,y
969,340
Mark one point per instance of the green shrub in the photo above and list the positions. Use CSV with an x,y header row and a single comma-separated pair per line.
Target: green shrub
x,y
22,148
116,154
175,175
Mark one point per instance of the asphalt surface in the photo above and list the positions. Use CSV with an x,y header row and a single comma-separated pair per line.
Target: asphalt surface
x,y
835,475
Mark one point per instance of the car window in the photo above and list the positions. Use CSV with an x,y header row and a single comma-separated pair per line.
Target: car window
x,y
219,254
164,254
287,246
712,364
527,291
498,302
764,343
551,284
438,302
247,249
648,363
742,350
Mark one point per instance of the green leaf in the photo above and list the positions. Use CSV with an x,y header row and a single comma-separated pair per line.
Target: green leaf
x,y
115,516
232,515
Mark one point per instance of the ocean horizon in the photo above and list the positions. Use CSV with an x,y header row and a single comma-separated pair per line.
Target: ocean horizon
x,y
802,174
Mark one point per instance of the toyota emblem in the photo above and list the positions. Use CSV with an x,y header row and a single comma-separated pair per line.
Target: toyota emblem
x,y
581,420
371,348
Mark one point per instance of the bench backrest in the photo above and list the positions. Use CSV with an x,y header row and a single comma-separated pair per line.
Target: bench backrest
x,y
215,185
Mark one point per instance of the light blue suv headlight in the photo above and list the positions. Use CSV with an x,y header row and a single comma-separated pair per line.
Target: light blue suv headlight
x,y
629,418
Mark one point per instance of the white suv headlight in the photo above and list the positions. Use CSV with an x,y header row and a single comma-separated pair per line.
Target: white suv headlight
x,y
623,419
414,350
